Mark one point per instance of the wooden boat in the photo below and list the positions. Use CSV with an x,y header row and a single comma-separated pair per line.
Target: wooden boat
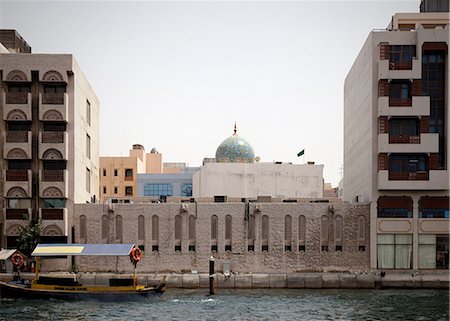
x,y
67,288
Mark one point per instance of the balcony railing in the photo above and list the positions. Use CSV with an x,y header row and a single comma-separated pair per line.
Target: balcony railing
x,y
52,137
17,137
17,175
400,65
53,98
400,102
404,139
411,176
53,175
52,213
16,98
17,214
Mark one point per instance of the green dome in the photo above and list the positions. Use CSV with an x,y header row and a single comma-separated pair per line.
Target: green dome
x,y
235,149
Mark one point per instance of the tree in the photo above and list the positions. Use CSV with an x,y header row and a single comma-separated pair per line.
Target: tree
x,y
29,237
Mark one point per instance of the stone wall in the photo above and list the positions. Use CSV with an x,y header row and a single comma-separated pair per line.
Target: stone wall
x,y
275,260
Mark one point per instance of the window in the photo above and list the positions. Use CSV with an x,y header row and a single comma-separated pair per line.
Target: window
x,y
155,233
104,171
88,180
88,112
186,190
251,233
324,233
433,251
158,190
129,190
403,128
394,251
116,172
338,233
54,203
400,56
434,207
228,232
115,189
434,213
128,173
403,166
214,232
104,189
265,233
400,93
288,233
105,227
301,232
395,212
19,203
88,146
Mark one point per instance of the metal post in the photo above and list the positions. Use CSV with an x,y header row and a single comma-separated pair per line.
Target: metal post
x,y
36,268
211,275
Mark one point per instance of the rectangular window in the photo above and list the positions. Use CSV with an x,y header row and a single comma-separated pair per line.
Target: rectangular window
x,y
88,180
158,190
54,203
88,112
104,189
115,189
394,251
129,190
400,56
433,251
88,146
186,189
395,212
400,93
128,174
404,130
404,167
116,172
19,203
434,213
104,171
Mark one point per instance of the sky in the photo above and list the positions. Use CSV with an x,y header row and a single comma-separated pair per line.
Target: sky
x,y
178,75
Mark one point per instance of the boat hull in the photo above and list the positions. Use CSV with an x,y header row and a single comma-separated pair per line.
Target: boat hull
x,y
8,290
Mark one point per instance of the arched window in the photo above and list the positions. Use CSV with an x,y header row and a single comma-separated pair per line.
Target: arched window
x,y
83,228
265,233
361,233
119,227
324,233
141,227
192,233
288,233
214,232
251,233
338,237
178,232
228,232
105,227
301,233
155,233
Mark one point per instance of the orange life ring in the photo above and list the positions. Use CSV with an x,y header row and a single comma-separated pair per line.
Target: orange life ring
x,y
17,260
136,254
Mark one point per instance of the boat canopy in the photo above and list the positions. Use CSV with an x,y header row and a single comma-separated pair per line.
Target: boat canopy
x,y
83,249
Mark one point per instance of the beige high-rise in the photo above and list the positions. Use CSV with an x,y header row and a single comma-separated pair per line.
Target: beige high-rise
x,y
396,140
50,140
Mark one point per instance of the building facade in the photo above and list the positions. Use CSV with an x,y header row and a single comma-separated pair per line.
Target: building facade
x,y
253,237
50,140
396,140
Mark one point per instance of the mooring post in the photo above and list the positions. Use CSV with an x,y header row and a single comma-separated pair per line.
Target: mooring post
x,y
211,275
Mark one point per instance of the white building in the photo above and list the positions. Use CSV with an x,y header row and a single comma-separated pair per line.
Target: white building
x,y
236,174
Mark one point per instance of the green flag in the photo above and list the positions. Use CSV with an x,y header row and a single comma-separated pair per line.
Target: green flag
x,y
301,153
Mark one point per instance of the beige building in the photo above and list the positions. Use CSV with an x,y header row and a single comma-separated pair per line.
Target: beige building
x,y
236,172
396,140
269,237
119,174
50,140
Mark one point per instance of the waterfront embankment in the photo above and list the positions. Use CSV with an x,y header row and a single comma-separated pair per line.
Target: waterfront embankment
x,y
370,280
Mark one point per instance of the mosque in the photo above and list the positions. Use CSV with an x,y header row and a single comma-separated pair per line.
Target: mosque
x,y
235,172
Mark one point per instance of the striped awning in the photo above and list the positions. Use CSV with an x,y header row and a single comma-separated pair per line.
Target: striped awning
x,y
82,249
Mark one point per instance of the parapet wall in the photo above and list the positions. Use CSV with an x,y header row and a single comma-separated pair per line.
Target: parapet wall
x,y
248,237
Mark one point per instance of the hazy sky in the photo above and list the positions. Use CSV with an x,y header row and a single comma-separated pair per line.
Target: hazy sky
x,y
177,75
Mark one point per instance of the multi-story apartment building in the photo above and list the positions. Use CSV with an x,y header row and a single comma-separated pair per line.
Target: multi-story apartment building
x,y
49,129
396,139
127,178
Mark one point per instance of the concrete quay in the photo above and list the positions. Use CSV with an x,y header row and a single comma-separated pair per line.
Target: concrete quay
x,y
370,280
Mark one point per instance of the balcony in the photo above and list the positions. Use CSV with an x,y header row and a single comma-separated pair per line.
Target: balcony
x,y
17,145
17,178
424,143
15,217
53,145
53,183
53,107
16,106
431,180
412,70
54,219
420,106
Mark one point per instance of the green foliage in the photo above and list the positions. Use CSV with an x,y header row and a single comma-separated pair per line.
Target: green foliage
x,y
29,237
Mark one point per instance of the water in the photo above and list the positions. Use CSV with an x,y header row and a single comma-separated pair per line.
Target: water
x,y
260,305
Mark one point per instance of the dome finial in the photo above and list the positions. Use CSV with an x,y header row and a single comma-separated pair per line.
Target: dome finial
x,y
235,129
